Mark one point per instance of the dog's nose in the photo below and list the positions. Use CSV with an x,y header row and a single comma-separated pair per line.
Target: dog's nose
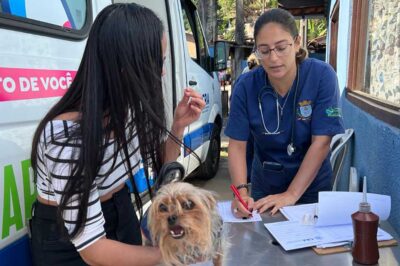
x,y
172,219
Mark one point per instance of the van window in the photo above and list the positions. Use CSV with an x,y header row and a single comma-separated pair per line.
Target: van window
x,y
194,35
66,18
190,40
202,43
65,13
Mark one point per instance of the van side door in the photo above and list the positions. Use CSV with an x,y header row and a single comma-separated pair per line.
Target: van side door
x,y
199,76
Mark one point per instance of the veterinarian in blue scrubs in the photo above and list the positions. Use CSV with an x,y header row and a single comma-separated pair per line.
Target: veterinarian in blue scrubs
x,y
290,107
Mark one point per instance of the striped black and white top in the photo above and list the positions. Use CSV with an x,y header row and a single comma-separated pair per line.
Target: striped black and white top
x,y
57,154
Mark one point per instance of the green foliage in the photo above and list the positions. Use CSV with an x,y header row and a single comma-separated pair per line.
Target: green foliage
x,y
316,28
226,14
226,19
254,8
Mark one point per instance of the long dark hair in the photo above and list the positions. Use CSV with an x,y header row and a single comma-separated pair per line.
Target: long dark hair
x,y
119,76
286,20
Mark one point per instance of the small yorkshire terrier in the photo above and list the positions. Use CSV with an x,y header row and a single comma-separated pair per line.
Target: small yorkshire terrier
x,y
185,225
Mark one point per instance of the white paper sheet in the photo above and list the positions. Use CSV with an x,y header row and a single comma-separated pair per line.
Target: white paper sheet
x,y
297,212
224,209
335,208
293,235
333,225
337,233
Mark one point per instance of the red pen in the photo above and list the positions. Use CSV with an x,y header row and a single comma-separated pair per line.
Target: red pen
x,y
236,192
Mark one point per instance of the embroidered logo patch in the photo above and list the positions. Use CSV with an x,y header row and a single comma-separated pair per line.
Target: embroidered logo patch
x,y
333,112
304,111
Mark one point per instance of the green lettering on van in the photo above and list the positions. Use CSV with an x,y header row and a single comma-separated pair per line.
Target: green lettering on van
x,y
29,196
10,197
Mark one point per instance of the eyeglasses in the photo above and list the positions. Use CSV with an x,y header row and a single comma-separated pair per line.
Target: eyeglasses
x,y
263,52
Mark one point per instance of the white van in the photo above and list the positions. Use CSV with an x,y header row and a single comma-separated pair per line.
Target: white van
x,y
41,45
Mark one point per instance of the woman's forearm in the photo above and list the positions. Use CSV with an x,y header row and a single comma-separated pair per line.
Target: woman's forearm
x,y
109,252
171,148
237,162
310,166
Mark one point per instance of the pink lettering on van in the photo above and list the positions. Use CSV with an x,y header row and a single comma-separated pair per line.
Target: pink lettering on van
x,y
25,84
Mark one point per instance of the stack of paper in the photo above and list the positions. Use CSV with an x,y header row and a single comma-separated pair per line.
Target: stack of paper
x,y
332,224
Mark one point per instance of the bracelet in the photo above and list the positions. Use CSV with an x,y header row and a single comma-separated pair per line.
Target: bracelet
x,y
246,186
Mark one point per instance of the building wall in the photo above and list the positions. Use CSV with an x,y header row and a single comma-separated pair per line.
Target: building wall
x,y
375,148
375,154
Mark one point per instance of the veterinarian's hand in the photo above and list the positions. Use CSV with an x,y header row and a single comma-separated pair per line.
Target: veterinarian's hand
x,y
188,110
238,210
275,202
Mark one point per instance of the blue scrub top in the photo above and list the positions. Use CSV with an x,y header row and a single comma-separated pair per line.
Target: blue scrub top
x,y
315,110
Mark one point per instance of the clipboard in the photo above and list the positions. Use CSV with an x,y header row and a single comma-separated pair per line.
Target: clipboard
x,y
334,250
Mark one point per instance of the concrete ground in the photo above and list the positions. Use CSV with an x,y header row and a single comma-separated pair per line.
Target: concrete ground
x,y
221,182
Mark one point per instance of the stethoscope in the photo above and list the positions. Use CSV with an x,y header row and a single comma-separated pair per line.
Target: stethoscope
x,y
291,148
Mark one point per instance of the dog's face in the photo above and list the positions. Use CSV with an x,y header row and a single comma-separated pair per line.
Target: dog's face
x,y
181,221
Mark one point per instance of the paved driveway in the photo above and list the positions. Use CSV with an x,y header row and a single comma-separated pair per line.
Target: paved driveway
x,y
221,182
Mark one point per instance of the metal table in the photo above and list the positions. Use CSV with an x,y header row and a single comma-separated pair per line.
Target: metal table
x,y
251,244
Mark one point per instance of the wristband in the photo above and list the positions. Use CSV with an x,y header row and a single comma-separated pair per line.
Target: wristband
x,y
246,186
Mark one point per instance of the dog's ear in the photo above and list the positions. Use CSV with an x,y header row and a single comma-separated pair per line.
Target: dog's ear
x,y
150,220
169,173
209,199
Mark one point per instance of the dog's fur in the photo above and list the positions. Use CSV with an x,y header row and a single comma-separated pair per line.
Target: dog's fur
x,y
185,224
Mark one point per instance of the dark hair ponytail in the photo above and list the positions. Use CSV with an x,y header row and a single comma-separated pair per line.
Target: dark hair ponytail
x,y
301,55
286,20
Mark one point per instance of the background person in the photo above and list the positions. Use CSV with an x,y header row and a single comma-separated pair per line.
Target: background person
x,y
252,62
221,77
95,138
290,107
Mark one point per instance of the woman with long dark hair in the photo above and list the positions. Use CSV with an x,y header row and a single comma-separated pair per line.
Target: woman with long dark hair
x,y
290,107
110,121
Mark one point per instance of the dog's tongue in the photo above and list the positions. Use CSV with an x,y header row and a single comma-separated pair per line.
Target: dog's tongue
x,y
177,231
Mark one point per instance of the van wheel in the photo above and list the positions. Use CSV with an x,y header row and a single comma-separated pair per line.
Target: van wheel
x,y
209,168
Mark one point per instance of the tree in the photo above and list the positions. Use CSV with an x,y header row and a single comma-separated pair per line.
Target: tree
x,y
208,16
254,8
226,19
226,14
239,39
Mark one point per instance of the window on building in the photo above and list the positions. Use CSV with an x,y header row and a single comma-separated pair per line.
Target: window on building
x,y
382,70
374,67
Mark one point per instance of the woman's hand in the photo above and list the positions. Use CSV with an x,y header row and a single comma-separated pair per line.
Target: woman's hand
x,y
187,111
275,202
237,208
